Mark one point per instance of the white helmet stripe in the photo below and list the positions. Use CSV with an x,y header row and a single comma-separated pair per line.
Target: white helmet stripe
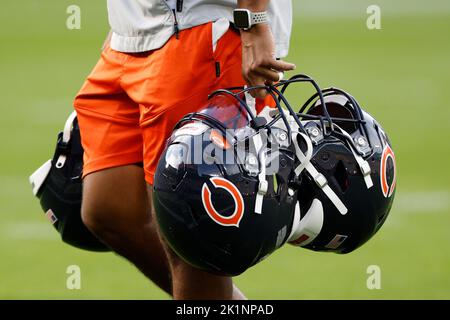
x,y
308,228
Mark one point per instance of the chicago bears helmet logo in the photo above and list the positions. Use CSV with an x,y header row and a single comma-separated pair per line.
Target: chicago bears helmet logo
x,y
229,220
387,189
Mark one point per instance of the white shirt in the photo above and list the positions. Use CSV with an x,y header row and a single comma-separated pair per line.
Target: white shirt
x,y
172,4
143,25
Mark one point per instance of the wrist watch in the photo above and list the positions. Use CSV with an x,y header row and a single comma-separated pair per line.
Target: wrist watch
x,y
245,19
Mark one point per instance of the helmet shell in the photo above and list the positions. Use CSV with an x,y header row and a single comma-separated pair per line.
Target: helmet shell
x,y
333,157
61,193
206,210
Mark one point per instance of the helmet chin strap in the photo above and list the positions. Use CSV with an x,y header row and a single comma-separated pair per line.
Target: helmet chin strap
x,y
307,158
66,138
305,164
263,184
38,177
319,179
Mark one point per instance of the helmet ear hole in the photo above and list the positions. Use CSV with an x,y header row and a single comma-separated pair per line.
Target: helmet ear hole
x,y
341,176
336,110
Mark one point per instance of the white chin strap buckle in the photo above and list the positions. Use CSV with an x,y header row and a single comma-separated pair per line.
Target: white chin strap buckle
x,y
321,181
365,168
66,138
366,171
262,191
263,187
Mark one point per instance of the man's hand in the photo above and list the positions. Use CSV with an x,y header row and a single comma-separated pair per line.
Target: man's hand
x,y
259,65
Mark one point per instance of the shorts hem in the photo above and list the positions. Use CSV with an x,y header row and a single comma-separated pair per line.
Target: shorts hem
x,y
149,177
110,162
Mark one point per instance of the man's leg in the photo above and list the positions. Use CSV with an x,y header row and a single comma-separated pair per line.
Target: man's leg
x,y
116,209
167,88
115,205
194,284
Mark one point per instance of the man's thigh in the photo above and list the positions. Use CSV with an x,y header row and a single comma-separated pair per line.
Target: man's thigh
x,y
116,196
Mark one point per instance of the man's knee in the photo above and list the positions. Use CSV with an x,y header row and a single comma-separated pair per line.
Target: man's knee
x,y
115,202
95,218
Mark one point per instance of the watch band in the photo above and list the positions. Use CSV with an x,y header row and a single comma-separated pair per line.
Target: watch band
x,y
259,17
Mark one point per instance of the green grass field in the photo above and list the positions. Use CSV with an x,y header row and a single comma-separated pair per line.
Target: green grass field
x,y
400,74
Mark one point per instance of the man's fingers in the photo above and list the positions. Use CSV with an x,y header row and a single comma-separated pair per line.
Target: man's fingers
x,y
267,74
280,65
258,93
280,76
257,81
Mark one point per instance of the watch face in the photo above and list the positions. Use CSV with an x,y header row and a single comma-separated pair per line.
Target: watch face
x,y
242,19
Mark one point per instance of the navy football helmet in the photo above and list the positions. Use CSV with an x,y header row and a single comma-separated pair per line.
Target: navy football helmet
x,y
58,186
222,189
347,173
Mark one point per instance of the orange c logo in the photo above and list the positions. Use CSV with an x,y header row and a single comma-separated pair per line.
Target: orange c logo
x,y
387,190
235,218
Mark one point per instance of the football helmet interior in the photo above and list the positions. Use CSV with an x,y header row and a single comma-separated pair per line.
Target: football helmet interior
x,y
347,172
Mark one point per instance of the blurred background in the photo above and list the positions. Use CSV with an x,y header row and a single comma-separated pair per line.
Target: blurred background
x,y
400,74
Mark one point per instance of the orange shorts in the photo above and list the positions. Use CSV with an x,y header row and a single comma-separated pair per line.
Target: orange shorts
x,y
130,103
